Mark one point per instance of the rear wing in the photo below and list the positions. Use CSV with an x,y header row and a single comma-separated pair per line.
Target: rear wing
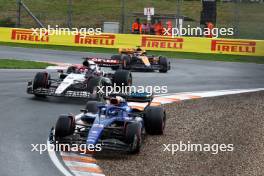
x,y
138,101
135,97
104,62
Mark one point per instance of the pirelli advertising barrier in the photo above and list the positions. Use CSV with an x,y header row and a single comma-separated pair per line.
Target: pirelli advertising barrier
x,y
161,43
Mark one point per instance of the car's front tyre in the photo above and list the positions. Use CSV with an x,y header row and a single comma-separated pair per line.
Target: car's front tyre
x,y
165,64
41,80
92,106
118,58
134,137
65,126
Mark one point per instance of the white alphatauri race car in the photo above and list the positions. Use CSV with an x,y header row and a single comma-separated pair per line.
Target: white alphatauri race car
x,y
78,81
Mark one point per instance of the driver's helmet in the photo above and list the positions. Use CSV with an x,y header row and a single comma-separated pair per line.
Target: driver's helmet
x,y
140,51
117,100
92,65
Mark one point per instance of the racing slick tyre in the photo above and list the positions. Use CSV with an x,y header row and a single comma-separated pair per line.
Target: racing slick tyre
x,y
133,137
165,64
41,80
93,89
155,120
71,69
65,126
122,78
92,106
126,60
116,57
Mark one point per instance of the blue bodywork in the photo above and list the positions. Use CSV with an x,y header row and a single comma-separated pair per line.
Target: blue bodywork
x,y
107,115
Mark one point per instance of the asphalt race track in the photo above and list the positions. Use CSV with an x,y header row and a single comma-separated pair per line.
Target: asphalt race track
x,y
186,75
26,120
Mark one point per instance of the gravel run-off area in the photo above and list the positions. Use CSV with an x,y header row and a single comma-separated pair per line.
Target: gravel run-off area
x,y
233,119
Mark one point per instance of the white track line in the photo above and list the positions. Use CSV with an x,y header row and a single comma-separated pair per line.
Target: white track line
x,y
57,162
79,173
81,164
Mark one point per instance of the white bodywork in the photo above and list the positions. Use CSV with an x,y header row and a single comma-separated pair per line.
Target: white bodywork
x,y
72,78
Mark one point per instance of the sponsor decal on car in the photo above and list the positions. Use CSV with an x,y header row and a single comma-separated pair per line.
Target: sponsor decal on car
x,y
104,60
162,42
28,35
233,46
100,40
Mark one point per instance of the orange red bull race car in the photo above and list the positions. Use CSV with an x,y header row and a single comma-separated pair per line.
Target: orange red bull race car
x,y
134,59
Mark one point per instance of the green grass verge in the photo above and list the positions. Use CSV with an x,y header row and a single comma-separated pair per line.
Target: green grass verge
x,y
22,64
177,55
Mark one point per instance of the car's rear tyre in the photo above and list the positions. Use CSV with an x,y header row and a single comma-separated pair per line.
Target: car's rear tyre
x,y
165,64
155,120
65,126
41,80
126,60
93,89
122,78
134,137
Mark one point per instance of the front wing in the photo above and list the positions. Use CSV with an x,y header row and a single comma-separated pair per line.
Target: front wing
x,y
112,142
144,67
51,92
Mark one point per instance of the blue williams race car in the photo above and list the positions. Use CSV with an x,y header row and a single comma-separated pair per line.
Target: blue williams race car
x,y
118,124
